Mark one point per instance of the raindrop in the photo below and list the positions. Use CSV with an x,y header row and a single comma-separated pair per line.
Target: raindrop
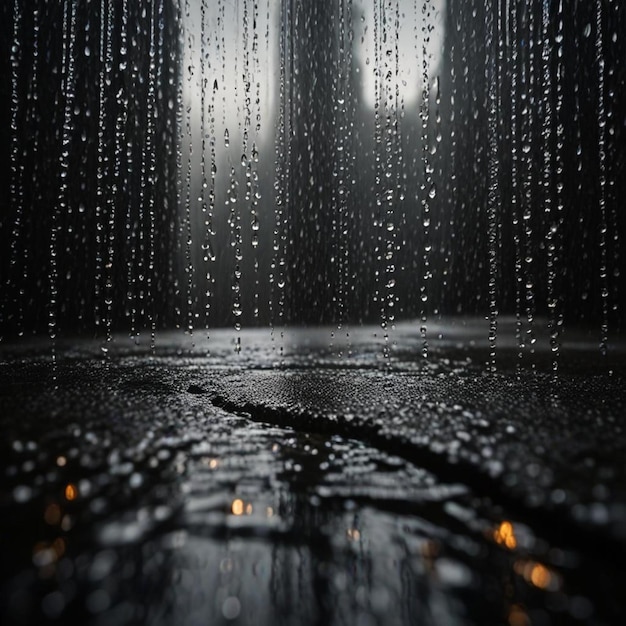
x,y
493,195
602,199
514,35
414,173
427,183
547,132
63,199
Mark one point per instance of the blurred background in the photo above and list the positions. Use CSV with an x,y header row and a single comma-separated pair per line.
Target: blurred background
x,y
197,164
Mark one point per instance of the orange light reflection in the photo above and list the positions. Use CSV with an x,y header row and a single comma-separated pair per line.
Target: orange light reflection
x,y
504,535
71,492
52,514
538,575
518,616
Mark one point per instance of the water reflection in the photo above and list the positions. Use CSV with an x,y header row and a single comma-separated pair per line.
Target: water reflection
x,y
347,559
277,528
160,508
504,535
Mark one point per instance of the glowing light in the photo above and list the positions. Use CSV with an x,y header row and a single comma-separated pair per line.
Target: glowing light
x,y
353,534
213,463
504,535
230,90
45,555
52,514
248,509
540,576
237,507
71,492
61,461
59,546
518,617
409,41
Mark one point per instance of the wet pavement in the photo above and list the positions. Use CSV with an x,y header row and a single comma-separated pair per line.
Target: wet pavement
x,y
311,478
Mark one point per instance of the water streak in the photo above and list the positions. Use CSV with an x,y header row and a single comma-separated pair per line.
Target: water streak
x,y
493,194
557,225
408,204
528,137
427,182
513,43
602,179
16,180
111,195
63,198
547,139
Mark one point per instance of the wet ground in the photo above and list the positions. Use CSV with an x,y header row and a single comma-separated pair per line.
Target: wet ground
x,y
310,479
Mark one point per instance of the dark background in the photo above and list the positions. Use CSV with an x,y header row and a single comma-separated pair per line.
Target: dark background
x,y
334,269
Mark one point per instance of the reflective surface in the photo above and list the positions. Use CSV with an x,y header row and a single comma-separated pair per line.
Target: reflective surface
x,y
181,488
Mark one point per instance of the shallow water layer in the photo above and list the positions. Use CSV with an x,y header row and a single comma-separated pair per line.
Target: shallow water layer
x,y
308,479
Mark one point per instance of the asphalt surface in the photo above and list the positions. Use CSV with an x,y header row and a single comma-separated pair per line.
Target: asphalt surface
x,y
327,477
